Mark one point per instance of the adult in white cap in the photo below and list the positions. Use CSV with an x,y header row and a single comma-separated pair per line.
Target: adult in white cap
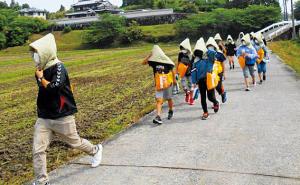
x,y
249,54
231,50
199,76
55,107
184,69
164,77
263,56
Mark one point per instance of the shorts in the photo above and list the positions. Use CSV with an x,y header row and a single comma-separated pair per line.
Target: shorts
x,y
248,69
186,82
166,94
262,67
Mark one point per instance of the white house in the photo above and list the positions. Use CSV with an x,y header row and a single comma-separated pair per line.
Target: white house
x,y
33,12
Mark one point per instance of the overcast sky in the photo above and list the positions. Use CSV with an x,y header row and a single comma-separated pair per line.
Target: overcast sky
x,y
53,5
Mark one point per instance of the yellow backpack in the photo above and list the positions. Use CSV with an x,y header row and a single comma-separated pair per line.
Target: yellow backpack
x,y
212,80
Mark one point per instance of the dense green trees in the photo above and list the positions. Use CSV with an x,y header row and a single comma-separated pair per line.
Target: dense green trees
x,y
15,30
228,21
111,28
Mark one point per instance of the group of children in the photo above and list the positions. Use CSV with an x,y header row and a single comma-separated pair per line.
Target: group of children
x,y
202,70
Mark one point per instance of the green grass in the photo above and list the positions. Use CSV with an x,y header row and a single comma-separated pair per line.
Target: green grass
x,y
159,30
289,52
112,89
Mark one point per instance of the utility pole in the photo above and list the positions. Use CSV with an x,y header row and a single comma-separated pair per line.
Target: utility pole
x,y
293,20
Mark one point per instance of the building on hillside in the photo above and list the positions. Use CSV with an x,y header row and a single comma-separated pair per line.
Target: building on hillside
x,y
143,17
88,8
33,12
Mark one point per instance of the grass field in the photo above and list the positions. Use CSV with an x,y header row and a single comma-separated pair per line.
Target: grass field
x,y
113,90
289,51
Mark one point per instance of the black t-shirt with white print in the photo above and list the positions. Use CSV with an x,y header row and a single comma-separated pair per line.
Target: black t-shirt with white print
x,y
57,99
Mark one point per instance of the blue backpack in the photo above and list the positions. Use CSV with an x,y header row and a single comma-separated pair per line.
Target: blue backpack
x,y
199,70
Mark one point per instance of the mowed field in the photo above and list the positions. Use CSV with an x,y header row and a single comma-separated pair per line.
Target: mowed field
x,y
112,89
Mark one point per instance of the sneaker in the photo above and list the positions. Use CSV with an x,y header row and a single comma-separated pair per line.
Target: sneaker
x,y
170,114
205,116
157,120
191,102
216,107
264,77
233,66
47,183
247,89
230,67
254,83
260,82
97,157
224,97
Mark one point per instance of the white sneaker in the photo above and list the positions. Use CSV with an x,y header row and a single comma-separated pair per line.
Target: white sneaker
x,y
96,161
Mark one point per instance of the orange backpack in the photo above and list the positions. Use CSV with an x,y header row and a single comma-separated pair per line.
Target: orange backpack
x,y
163,81
212,80
182,68
261,55
242,62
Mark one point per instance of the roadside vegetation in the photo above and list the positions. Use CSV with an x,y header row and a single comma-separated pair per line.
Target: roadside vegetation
x,y
228,21
289,52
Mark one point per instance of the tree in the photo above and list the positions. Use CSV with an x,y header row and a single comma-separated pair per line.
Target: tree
x,y
297,10
62,8
25,6
105,31
3,4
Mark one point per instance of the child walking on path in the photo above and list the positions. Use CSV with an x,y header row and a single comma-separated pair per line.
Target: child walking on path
x,y
56,108
201,67
164,77
219,65
231,50
184,70
262,53
247,56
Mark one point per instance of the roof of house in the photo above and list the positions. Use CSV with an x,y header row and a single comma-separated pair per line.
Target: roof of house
x,y
31,10
87,2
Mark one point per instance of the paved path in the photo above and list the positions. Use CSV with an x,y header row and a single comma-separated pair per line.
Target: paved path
x,y
254,140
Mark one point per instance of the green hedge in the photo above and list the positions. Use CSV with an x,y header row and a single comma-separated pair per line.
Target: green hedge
x,y
228,21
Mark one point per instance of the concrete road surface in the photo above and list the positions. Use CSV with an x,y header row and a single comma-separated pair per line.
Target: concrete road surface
x,y
253,140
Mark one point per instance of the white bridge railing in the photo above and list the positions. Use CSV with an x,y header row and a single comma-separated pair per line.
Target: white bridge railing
x,y
277,29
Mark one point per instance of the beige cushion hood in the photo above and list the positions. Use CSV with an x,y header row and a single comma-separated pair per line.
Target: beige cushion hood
x,y
159,56
247,39
230,38
259,38
47,51
211,41
186,45
218,37
200,45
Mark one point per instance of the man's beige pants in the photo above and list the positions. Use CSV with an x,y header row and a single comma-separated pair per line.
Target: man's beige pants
x,y
44,129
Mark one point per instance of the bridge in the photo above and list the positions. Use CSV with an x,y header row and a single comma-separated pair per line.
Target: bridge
x,y
277,29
